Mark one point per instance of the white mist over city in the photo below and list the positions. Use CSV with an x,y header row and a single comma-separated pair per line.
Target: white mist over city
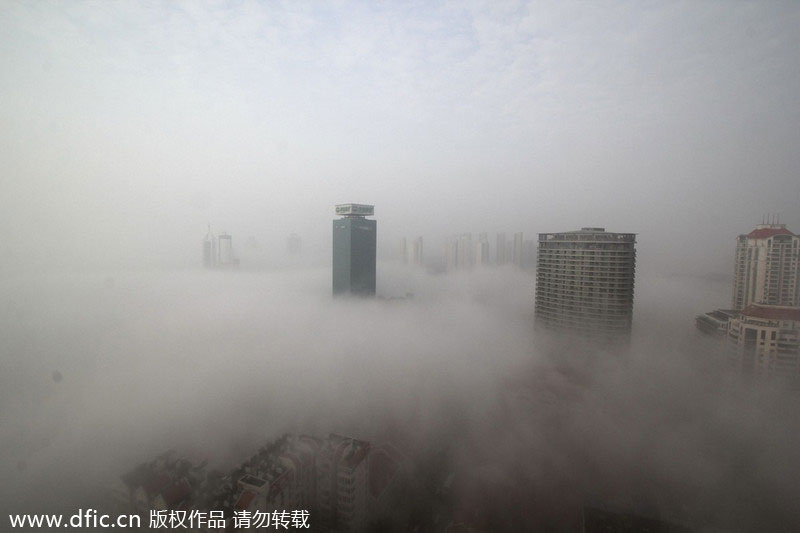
x,y
411,266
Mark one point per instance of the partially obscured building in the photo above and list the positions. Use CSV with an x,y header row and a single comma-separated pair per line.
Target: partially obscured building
x,y
482,250
218,251
766,269
766,272
516,251
225,258
529,255
715,322
465,251
340,483
450,254
584,282
354,250
209,250
459,252
411,254
765,340
416,251
500,251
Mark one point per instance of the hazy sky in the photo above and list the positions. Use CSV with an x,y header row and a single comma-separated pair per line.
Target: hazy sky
x,y
126,127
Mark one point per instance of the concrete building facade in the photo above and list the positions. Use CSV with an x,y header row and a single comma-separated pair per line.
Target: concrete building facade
x,y
585,282
766,269
765,340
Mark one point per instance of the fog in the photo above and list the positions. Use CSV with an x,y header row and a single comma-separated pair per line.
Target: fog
x,y
216,363
127,129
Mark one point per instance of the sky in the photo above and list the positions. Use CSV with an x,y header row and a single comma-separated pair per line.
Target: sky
x,y
127,127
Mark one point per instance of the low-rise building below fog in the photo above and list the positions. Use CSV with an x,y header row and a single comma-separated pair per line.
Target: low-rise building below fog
x,y
764,340
715,322
341,482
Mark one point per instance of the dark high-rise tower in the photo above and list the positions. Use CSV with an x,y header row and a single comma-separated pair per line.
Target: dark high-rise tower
x,y
354,246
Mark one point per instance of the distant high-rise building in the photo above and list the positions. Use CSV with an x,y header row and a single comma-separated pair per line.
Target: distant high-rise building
x,y
451,254
459,253
293,244
584,282
209,250
404,251
482,250
354,250
411,255
465,251
225,257
416,251
516,253
766,270
501,249
765,340
529,255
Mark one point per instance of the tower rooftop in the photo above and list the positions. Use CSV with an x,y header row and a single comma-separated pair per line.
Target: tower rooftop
x,y
765,231
355,210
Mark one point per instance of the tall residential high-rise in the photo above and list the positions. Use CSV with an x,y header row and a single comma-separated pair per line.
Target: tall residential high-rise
x,y
584,282
354,250
766,270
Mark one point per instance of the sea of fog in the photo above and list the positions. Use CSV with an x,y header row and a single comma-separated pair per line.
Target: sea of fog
x,y
101,371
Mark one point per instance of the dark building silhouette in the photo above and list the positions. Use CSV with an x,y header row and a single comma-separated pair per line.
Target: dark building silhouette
x,y
354,250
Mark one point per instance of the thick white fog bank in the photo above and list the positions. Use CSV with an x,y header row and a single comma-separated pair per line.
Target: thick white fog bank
x,y
216,362
102,371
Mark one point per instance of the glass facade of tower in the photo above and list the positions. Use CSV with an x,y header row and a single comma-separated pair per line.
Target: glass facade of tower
x,y
354,249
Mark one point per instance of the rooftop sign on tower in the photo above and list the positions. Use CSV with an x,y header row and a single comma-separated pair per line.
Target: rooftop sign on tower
x,y
355,210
